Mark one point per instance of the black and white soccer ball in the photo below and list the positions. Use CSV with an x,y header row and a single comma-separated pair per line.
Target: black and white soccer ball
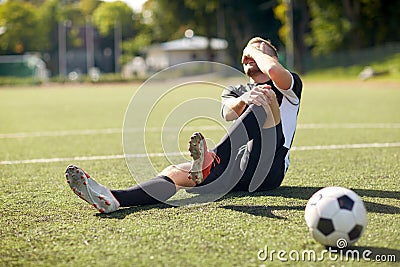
x,y
336,217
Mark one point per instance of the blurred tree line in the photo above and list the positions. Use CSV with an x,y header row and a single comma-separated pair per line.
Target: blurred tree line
x,y
319,26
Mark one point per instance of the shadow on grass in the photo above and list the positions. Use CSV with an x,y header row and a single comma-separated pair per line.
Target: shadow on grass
x,y
121,213
302,192
293,192
263,211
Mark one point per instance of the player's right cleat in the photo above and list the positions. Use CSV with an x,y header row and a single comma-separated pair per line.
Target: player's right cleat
x,y
91,191
203,159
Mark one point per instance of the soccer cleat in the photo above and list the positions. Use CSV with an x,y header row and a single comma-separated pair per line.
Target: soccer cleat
x,y
91,191
203,159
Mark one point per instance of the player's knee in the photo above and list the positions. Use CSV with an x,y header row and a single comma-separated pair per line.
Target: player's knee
x,y
168,170
273,114
179,175
180,170
171,170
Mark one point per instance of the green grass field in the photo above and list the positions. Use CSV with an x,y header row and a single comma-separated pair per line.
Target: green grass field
x,y
45,224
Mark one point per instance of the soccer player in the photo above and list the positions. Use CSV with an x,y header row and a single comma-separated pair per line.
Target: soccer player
x,y
252,156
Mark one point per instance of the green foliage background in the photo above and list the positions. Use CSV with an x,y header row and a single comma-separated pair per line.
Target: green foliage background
x,y
320,26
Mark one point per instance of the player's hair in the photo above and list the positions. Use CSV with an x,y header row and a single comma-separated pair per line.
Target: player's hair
x,y
267,42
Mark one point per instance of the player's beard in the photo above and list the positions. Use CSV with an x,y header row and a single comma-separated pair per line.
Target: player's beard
x,y
253,71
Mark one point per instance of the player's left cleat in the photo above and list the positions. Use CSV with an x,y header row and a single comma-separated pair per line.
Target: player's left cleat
x,y
91,191
203,159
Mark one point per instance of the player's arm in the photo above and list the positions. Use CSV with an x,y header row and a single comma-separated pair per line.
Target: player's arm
x,y
233,108
270,66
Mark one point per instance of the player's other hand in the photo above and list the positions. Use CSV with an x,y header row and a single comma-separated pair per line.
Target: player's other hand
x,y
261,95
251,50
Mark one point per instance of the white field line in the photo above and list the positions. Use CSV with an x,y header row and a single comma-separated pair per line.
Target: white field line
x,y
349,126
346,146
108,157
192,128
59,133
97,131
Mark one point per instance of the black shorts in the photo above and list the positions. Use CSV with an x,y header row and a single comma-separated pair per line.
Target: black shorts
x,y
274,177
246,161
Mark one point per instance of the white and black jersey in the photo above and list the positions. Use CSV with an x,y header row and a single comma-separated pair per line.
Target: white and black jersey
x,y
289,104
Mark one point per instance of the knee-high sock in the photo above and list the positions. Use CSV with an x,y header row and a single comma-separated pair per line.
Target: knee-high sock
x,y
154,191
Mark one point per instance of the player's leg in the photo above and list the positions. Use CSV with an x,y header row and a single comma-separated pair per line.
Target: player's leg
x,y
273,112
172,178
188,175
227,173
263,158
244,129
156,190
247,127
202,159
165,185
267,177
90,190
263,161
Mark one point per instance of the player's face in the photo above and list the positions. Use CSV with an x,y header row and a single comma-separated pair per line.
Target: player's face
x,y
249,64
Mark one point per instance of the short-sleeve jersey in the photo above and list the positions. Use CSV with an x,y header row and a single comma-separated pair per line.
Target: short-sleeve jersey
x,y
289,104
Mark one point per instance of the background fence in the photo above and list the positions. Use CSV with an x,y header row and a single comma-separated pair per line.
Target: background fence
x,y
362,57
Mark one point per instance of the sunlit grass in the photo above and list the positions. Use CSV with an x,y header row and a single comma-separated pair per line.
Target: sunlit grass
x,y
45,224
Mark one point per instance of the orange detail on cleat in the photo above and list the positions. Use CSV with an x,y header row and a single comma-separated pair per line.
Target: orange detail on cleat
x,y
98,196
214,161
87,175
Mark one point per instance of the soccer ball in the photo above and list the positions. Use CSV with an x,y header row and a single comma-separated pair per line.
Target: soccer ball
x,y
336,217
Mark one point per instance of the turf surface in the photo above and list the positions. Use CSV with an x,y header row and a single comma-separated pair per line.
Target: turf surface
x,y
45,224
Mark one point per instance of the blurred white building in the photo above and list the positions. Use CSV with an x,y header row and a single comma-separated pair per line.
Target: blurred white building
x,y
160,56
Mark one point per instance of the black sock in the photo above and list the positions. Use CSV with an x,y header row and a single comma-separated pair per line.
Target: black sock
x,y
156,190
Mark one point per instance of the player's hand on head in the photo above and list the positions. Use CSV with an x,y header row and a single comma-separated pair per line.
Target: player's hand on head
x,y
263,48
246,54
250,51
